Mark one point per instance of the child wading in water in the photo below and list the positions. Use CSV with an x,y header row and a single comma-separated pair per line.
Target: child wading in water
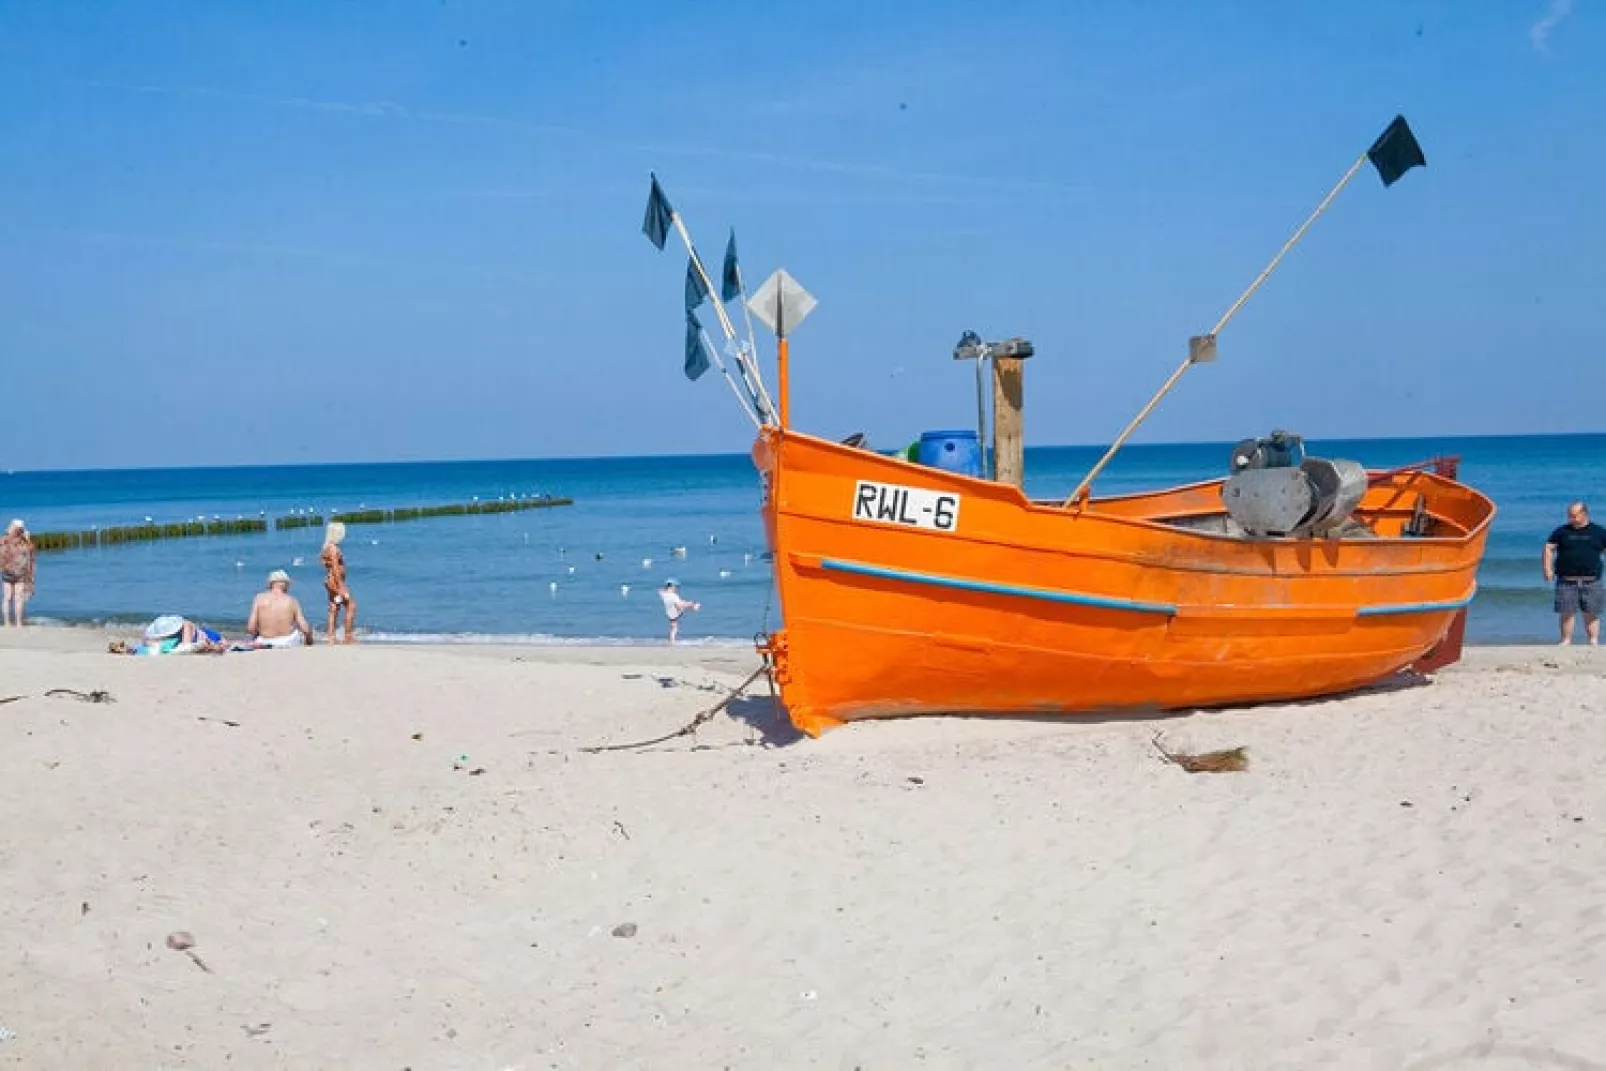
x,y
675,607
334,582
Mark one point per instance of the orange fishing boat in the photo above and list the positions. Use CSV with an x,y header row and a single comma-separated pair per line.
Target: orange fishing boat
x,y
910,588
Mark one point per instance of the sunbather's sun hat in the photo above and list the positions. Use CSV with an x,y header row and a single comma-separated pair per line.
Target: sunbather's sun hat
x,y
16,525
279,576
334,533
164,626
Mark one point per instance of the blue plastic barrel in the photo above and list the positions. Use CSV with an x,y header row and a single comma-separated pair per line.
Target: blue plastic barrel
x,y
956,451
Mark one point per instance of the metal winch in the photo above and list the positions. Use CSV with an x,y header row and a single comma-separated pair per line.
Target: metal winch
x,y
1275,490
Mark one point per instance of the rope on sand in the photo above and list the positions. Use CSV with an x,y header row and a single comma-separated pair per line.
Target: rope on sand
x,y
685,730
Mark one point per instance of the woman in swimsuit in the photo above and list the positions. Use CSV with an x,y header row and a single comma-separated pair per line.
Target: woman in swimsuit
x,y
16,572
334,582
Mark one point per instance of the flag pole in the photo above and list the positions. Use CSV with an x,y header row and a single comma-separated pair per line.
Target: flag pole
x,y
1202,348
708,344
752,343
702,273
747,366
1293,241
719,310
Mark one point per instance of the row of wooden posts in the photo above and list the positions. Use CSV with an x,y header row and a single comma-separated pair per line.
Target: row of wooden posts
x,y
138,533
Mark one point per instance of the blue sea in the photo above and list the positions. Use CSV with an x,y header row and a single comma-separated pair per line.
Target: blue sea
x,y
489,578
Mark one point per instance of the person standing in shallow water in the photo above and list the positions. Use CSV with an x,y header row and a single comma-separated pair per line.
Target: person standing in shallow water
x,y
334,582
16,572
675,607
1572,561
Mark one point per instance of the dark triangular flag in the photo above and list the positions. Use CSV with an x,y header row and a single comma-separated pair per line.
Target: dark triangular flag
x,y
696,352
659,215
730,282
1395,152
695,290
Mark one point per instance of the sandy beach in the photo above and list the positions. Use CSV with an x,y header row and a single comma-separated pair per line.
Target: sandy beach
x,y
399,857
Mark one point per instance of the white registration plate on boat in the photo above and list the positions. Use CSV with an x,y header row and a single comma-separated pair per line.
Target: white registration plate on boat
x,y
916,507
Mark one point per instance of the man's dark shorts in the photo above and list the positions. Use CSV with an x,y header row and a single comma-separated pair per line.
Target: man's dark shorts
x,y
1573,596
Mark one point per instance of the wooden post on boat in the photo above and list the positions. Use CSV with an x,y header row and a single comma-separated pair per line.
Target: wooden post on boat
x,y
1009,441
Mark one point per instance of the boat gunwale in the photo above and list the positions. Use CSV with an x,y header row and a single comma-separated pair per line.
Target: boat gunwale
x,y
1101,554
1031,506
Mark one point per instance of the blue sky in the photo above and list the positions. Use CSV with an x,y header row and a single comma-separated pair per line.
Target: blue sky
x,y
240,233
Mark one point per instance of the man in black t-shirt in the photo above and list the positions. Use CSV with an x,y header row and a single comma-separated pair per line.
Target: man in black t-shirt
x,y
1572,560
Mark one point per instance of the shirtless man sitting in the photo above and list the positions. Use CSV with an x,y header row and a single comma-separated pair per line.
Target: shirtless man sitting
x,y
276,617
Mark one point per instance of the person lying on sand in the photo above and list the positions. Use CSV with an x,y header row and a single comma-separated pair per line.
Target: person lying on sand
x,y
172,634
276,618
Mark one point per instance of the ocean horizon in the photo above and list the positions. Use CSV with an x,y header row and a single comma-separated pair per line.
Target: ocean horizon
x,y
1095,449
588,573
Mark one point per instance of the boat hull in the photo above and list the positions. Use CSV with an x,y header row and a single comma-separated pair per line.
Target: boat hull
x,y
911,590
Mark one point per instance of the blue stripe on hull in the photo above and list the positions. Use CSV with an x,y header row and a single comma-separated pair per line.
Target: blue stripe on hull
x,y
1099,602
1414,608
1042,594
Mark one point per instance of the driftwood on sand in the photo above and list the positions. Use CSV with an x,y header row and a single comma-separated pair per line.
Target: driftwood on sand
x,y
1232,760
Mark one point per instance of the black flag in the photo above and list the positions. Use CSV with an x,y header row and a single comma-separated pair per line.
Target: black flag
x,y
696,352
730,283
695,290
659,215
1395,152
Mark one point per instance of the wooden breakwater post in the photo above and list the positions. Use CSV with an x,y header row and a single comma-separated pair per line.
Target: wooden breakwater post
x,y
415,513
298,520
1009,387
141,533
150,530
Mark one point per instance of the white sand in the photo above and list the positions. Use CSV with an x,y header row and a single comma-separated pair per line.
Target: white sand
x,y
1046,894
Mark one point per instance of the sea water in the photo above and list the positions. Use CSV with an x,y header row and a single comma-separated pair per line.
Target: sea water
x,y
590,572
